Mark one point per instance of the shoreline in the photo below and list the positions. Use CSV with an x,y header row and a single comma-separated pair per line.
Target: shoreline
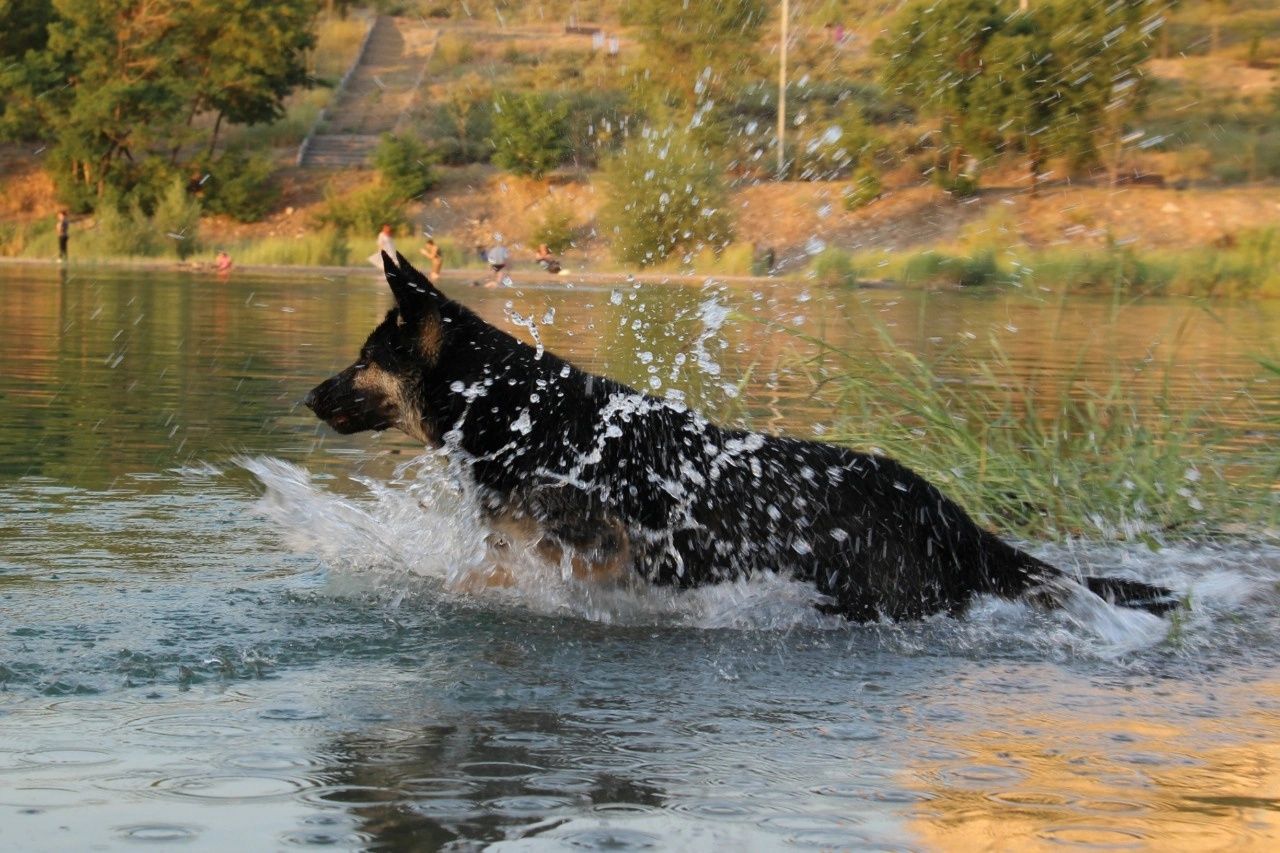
x,y
538,279
458,276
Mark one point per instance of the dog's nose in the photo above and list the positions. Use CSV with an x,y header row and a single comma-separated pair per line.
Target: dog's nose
x,y
310,400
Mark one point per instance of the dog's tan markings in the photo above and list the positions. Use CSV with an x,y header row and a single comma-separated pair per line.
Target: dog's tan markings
x,y
387,391
516,533
431,340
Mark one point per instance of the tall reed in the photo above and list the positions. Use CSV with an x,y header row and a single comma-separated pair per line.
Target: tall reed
x,y
1085,459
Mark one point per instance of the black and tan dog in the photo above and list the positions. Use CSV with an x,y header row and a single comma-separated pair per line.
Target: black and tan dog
x,y
614,482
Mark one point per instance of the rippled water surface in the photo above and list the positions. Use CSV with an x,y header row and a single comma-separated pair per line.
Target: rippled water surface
x,y
222,625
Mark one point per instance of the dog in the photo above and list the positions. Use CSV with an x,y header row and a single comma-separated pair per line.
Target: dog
x,y
612,483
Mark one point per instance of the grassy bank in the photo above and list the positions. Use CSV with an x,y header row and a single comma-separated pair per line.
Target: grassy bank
x,y
1085,459
1249,266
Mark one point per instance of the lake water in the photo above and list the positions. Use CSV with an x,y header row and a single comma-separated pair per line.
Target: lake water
x,y
223,625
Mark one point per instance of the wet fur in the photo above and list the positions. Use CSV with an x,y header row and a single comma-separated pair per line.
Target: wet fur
x,y
578,467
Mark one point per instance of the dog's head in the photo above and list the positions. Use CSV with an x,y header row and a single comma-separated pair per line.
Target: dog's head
x,y
383,388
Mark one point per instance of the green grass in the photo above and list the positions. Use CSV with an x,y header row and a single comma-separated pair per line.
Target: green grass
x,y
1249,266
1085,459
322,247
337,40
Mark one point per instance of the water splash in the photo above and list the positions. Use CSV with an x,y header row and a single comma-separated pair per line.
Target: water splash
x,y
422,531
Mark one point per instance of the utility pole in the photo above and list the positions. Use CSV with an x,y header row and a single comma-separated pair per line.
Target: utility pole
x,y
782,91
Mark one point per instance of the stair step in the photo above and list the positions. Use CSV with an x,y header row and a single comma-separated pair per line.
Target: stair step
x,y
377,92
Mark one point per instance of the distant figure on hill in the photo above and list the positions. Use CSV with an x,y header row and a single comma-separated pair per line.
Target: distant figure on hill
x,y
64,234
546,260
222,263
385,244
432,253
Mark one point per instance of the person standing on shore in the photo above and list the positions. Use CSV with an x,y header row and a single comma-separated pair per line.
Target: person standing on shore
x,y
385,244
496,255
432,253
64,234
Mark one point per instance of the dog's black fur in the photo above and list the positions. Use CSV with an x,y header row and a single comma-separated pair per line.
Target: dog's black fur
x,y
601,470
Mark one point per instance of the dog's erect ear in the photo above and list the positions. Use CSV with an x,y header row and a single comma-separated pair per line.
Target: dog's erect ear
x,y
418,304
415,297
417,279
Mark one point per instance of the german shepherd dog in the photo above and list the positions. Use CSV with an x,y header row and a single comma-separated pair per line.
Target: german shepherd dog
x,y
612,482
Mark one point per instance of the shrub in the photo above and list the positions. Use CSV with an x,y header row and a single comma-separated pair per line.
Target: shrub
x,y
1231,173
832,143
965,270
957,185
177,220
665,195
451,51
323,247
123,232
241,186
460,123
363,211
556,227
530,133
835,266
597,125
864,187
404,165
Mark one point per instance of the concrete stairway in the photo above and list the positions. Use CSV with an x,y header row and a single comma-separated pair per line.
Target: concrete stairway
x,y
378,91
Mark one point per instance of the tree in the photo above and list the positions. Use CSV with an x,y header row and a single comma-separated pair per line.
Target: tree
x,y
530,133
118,84
1053,80
696,51
666,194
934,58
1101,47
247,56
1019,90
26,26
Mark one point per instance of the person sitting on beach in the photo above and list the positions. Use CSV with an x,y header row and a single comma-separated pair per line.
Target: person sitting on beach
x,y
546,260
432,253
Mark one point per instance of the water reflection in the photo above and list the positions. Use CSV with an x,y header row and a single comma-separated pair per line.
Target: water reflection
x,y
484,782
109,373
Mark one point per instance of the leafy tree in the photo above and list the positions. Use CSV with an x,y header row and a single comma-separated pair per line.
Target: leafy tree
x,y
26,25
1053,80
118,83
666,194
246,56
1101,47
695,52
467,113
934,61
1019,90
530,133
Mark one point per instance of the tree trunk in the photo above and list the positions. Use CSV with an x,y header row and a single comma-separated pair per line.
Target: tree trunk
x,y
213,141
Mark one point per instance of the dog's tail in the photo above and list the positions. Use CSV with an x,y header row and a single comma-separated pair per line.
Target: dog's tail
x,y
1136,594
1051,587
